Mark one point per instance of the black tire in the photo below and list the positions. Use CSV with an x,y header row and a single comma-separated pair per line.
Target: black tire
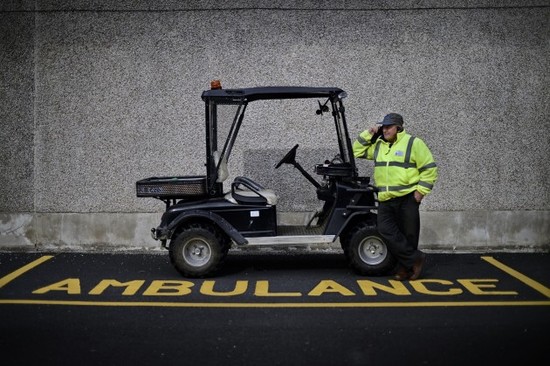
x,y
367,252
197,251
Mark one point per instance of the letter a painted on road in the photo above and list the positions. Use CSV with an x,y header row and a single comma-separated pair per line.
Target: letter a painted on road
x,y
330,286
71,286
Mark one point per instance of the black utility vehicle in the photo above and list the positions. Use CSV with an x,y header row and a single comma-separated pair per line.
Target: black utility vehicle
x,y
202,221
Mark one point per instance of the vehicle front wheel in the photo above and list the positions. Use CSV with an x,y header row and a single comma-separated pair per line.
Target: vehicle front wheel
x,y
197,251
367,252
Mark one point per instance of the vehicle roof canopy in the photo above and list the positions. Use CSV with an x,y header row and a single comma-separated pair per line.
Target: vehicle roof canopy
x,y
270,92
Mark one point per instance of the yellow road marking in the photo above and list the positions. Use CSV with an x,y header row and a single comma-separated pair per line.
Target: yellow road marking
x,y
10,277
277,305
521,277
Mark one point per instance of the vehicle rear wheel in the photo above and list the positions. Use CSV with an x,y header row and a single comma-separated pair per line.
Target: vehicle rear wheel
x,y
197,251
367,252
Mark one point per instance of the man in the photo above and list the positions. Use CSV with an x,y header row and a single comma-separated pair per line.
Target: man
x,y
404,173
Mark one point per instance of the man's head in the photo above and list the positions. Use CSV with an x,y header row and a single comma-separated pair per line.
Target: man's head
x,y
391,125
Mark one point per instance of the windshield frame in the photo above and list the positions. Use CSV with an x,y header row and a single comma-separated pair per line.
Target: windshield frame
x,y
241,98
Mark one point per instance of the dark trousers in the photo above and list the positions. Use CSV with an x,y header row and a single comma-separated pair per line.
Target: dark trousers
x,y
399,224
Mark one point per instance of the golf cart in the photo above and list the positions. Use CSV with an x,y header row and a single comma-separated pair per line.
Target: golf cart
x,y
202,220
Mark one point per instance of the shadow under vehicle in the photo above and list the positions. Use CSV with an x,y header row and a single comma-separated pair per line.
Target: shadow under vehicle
x,y
202,221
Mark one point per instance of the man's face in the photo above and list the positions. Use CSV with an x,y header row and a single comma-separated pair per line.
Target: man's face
x,y
390,133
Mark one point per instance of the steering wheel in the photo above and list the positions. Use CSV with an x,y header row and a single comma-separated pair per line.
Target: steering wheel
x,y
290,157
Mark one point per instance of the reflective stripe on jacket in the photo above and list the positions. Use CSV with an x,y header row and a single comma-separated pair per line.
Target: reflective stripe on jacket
x,y
400,168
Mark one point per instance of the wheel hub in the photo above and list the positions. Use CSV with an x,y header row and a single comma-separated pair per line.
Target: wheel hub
x,y
372,251
196,252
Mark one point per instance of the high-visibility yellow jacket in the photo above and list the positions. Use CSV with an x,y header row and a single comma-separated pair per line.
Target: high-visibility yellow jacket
x,y
402,167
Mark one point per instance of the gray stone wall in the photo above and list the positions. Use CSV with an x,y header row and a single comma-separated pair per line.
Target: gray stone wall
x,y
96,97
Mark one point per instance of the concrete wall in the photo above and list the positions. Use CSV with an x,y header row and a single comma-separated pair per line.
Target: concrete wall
x,y
96,97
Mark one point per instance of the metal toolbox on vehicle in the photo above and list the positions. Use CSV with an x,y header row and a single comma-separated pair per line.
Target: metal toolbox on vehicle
x,y
172,187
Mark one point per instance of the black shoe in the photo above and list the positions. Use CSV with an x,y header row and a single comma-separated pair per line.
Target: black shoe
x,y
402,274
417,267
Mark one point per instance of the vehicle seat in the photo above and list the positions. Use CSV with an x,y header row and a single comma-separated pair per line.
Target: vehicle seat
x,y
246,191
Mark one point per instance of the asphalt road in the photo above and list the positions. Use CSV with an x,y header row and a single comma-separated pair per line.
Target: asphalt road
x,y
272,309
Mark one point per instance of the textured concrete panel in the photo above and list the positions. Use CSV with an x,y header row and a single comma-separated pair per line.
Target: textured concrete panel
x,y
485,230
213,5
110,109
109,231
455,230
16,231
519,229
118,94
97,95
16,112
459,231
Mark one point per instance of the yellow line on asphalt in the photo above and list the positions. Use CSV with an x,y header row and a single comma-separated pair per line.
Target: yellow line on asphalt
x,y
277,305
521,277
10,277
